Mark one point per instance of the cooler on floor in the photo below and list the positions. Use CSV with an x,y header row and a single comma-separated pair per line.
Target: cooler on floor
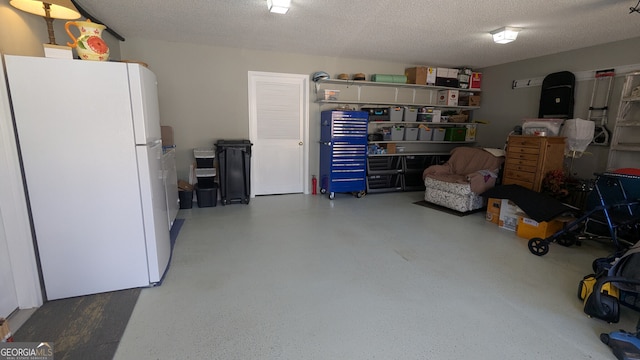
x,y
234,166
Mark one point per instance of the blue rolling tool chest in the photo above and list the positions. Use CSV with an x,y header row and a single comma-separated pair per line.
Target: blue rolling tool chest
x,y
343,152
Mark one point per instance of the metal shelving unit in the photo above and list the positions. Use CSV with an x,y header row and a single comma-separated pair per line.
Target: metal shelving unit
x,y
400,171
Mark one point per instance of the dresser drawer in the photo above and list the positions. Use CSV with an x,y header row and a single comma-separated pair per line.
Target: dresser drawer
x,y
530,142
519,175
524,184
512,150
522,159
518,165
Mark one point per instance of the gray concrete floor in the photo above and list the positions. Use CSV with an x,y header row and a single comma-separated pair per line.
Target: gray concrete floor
x,y
303,277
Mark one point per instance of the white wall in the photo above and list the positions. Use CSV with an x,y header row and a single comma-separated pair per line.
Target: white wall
x,y
203,89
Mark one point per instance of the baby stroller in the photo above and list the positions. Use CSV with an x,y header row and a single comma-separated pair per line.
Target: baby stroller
x,y
613,214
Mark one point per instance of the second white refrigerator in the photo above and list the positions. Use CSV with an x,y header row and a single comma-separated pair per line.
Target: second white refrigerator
x,y
89,138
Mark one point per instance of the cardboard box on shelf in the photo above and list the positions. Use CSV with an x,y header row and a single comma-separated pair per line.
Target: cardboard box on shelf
x,y
474,100
416,75
431,76
509,214
476,80
166,133
391,148
528,228
448,97
447,77
463,98
471,132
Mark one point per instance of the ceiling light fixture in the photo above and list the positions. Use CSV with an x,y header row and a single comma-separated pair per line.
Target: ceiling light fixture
x,y
278,6
505,35
49,9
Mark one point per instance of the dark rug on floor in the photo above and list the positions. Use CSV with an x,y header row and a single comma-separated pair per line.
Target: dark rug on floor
x,y
446,209
84,327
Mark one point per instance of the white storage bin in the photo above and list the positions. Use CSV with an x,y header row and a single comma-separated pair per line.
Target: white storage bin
x,y
411,134
397,133
438,134
395,113
204,157
425,134
206,172
410,114
327,94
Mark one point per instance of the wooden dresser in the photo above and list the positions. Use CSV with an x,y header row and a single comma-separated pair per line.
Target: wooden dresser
x,y
530,158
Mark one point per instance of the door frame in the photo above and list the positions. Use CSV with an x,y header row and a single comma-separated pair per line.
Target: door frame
x,y
305,119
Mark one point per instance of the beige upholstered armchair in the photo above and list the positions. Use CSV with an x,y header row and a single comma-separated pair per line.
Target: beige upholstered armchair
x,y
458,183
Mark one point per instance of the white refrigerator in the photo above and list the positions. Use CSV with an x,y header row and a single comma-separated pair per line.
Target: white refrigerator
x,y
89,139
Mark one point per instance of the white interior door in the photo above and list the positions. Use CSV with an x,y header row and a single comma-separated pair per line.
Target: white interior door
x,y
278,123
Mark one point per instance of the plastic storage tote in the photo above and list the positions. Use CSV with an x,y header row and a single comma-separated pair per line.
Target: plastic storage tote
x,y
234,166
207,197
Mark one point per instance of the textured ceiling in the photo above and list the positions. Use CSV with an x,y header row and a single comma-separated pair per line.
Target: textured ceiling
x,y
430,32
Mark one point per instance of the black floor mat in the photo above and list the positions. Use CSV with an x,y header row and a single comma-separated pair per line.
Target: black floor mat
x,y
446,209
538,206
84,327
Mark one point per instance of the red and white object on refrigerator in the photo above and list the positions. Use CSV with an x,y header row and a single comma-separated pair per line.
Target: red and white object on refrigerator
x,y
89,135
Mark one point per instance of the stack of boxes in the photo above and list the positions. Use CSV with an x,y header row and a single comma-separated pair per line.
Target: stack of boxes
x,y
507,215
206,188
454,78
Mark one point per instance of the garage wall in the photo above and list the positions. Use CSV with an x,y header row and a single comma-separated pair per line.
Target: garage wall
x,y
203,89
504,108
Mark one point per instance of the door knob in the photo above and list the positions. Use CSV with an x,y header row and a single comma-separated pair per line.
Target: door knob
x,y
300,143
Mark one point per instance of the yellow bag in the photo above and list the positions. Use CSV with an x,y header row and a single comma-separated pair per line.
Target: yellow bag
x,y
585,288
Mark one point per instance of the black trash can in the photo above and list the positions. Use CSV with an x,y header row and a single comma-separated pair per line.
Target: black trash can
x,y
186,199
207,197
234,166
